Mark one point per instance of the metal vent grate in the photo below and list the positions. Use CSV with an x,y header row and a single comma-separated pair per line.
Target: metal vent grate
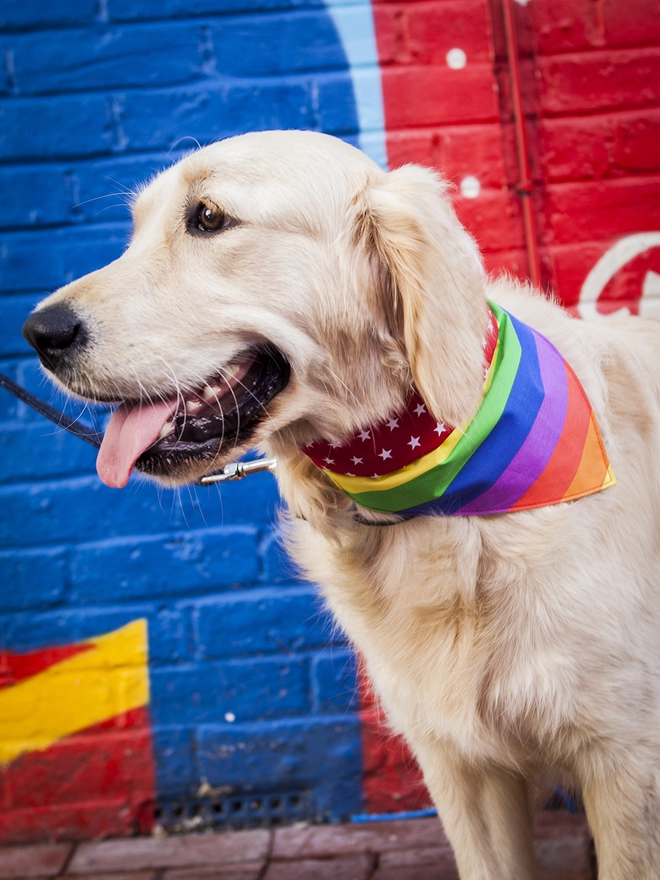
x,y
233,811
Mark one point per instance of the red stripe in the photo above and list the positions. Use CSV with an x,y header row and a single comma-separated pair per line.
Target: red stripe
x,y
97,782
560,471
16,667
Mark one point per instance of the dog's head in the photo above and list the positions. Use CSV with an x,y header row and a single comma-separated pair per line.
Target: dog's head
x,y
278,288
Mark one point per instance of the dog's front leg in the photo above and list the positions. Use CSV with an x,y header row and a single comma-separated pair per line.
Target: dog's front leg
x,y
622,799
485,812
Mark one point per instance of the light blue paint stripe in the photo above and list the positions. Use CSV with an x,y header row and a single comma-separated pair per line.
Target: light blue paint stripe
x,y
388,817
355,26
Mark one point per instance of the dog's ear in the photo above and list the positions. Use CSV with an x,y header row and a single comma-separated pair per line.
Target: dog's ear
x,y
430,282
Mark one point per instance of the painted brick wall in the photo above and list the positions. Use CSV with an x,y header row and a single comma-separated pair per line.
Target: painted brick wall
x,y
248,683
595,89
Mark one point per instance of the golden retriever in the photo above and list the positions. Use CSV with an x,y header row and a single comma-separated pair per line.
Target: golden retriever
x,y
280,288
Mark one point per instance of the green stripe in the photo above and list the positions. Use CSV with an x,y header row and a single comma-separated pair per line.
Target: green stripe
x,y
434,482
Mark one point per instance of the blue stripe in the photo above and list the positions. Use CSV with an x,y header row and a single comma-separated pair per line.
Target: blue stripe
x,y
355,25
491,459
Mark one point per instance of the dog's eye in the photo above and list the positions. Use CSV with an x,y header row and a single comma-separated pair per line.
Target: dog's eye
x,y
208,218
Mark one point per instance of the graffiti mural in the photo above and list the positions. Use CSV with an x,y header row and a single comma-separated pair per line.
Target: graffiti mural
x,y
626,279
75,731
158,649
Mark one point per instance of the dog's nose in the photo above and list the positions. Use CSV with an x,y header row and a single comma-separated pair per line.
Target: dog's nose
x,y
53,332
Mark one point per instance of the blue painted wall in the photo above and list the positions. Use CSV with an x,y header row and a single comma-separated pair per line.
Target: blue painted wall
x,y
96,96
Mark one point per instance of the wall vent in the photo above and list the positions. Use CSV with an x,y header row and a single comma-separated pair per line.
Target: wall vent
x,y
233,811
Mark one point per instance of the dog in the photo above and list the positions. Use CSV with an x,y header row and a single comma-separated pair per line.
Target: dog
x,y
280,291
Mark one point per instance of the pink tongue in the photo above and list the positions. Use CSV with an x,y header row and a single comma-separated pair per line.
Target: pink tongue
x,y
131,430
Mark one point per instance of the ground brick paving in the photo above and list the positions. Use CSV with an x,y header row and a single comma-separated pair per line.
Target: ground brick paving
x,y
395,850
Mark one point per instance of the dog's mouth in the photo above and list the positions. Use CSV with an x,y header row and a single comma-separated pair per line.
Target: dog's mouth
x,y
192,431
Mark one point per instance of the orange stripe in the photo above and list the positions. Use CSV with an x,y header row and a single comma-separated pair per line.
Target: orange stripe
x,y
593,465
560,471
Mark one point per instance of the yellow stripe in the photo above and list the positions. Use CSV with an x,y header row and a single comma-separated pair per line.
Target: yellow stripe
x,y
87,689
610,479
356,485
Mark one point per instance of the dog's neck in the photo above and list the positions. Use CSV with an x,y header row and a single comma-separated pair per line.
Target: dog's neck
x,y
401,439
533,441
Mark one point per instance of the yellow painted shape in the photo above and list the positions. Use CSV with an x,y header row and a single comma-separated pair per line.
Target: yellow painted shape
x,y
101,683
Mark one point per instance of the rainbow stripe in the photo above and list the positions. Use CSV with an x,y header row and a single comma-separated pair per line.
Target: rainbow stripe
x,y
533,442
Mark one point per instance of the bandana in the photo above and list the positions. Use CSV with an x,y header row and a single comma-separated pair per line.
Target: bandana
x,y
533,442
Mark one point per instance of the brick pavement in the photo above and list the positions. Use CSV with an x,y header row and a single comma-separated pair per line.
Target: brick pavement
x,y
394,850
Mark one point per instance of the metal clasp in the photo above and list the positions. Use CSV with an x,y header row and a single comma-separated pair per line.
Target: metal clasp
x,y
237,470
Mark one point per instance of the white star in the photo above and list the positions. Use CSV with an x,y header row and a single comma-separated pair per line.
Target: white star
x,y
440,428
392,424
334,445
485,372
376,475
356,460
386,453
349,474
419,409
414,442
365,435
328,460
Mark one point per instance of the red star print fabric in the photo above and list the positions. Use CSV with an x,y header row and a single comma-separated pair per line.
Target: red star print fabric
x,y
392,444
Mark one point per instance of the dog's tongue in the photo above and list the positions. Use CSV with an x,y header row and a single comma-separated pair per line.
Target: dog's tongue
x,y
131,430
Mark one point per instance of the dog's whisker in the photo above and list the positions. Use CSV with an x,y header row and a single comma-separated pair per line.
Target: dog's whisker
x,y
97,198
233,394
351,393
180,396
185,137
259,402
125,190
109,208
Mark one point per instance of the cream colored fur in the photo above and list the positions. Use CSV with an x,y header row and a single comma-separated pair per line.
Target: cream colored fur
x,y
503,647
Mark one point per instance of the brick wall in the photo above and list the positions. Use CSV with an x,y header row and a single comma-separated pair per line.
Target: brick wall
x,y
248,687
595,87
248,682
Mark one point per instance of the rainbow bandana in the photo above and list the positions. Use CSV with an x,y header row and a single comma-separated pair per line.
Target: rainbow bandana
x,y
533,441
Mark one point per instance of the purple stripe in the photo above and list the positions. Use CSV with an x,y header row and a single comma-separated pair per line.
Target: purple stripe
x,y
531,459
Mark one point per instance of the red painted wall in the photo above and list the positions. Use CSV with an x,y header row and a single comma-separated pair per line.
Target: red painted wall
x,y
591,78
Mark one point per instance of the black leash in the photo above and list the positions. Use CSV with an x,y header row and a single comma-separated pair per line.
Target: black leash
x,y
89,435
234,471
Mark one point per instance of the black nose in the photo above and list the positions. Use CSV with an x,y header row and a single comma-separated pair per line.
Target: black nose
x,y
53,332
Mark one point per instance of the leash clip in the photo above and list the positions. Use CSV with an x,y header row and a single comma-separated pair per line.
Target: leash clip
x,y
238,470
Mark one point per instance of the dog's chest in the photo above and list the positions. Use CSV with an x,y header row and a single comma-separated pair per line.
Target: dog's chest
x,y
447,657
441,654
